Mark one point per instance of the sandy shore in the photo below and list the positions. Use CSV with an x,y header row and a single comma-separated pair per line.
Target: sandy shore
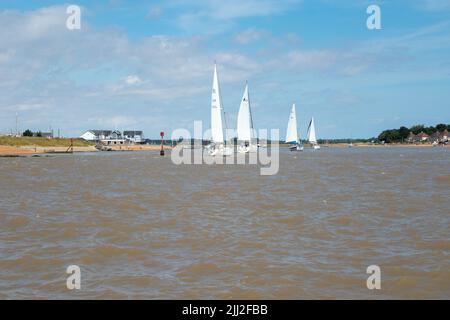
x,y
30,150
10,151
61,149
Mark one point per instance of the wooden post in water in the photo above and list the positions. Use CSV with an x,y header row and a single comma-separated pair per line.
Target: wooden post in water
x,y
161,153
70,149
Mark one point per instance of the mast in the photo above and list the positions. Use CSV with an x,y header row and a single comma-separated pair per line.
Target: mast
x,y
250,111
312,132
244,121
216,110
17,123
224,121
291,132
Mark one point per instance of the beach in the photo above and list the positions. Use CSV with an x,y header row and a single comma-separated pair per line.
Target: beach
x,y
15,150
22,146
10,150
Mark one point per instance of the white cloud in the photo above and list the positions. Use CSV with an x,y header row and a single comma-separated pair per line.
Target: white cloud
x,y
90,73
213,16
77,80
132,79
6,56
25,107
155,12
434,5
249,35
320,59
231,9
115,122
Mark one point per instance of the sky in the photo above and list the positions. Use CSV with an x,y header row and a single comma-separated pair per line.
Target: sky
x,y
148,65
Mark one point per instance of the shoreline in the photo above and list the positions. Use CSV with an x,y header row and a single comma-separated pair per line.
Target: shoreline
x,y
368,145
11,151
400,145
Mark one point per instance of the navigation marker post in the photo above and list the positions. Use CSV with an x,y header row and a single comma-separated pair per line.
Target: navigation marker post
x,y
161,153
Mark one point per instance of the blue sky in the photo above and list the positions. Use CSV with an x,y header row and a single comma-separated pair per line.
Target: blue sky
x,y
148,64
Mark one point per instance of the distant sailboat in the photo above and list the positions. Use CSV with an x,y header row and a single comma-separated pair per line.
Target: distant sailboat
x,y
312,135
245,132
291,132
350,145
217,146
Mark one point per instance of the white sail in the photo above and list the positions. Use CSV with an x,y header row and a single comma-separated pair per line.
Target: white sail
x,y
312,132
244,120
216,111
291,132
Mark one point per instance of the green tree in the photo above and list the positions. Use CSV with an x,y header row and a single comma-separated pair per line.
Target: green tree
x,y
39,134
27,133
389,136
403,132
429,130
417,128
441,127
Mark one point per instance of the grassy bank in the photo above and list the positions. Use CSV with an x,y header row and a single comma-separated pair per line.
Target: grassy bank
x,y
41,142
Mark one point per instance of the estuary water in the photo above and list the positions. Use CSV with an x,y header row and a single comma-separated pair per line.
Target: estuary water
x,y
140,227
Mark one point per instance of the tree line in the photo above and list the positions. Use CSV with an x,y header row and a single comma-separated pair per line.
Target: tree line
x,y
29,133
400,134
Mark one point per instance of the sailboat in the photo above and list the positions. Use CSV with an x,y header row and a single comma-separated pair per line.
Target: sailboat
x,y
312,135
291,132
245,130
217,146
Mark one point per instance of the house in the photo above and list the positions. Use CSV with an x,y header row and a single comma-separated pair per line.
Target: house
x,y
435,137
116,134
113,137
134,136
422,136
411,137
444,136
96,135
440,136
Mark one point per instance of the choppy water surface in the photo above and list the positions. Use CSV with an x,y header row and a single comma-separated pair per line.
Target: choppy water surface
x,y
141,227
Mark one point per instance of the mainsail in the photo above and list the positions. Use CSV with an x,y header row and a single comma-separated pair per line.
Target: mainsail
x,y
312,132
216,111
244,120
291,132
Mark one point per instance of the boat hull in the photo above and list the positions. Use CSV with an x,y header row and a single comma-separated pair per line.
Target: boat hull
x,y
247,149
219,150
296,148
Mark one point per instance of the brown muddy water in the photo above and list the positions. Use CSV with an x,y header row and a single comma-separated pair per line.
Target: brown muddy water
x,y
141,227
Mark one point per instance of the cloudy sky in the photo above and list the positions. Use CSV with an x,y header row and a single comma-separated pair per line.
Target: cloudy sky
x,y
147,65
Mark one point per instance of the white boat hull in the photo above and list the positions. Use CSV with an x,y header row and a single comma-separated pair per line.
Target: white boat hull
x,y
219,151
247,149
296,148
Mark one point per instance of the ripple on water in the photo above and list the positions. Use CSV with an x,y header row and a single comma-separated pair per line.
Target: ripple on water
x,y
141,227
